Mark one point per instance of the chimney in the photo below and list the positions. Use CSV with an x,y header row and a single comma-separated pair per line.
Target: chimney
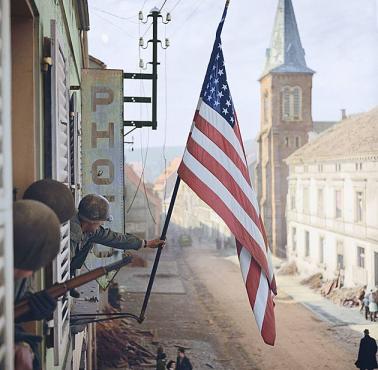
x,y
343,114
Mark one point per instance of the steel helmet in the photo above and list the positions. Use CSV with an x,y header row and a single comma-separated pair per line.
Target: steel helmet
x,y
36,234
55,195
93,208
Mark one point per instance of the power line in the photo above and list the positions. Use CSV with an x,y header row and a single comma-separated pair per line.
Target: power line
x,y
114,15
175,6
162,6
115,25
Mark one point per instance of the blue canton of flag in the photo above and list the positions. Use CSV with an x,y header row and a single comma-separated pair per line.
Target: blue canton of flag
x,y
215,91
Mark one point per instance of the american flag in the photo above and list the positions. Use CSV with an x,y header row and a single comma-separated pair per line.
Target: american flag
x,y
214,166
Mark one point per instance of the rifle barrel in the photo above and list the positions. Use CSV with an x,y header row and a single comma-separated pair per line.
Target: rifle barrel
x,y
60,289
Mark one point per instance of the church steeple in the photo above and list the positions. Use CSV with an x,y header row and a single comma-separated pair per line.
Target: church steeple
x,y
286,54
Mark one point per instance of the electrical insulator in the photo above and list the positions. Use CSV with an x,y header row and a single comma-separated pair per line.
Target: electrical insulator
x,y
140,16
168,18
141,41
141,63
167,43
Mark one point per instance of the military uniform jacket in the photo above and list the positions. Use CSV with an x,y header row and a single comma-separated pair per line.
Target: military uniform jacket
x,y
82,243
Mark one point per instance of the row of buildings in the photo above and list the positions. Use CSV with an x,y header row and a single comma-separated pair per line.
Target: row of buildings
x,y
317,182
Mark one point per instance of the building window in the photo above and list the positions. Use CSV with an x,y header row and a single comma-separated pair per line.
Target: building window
x,y
287,142
293,204
320,167
338,167
321,249
307,244
297,142
338,204
305,201
358,166
359,206
361,257
320,203
340,255
294,238
292,103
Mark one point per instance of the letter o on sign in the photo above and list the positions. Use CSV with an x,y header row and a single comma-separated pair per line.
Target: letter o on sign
x,y
98,169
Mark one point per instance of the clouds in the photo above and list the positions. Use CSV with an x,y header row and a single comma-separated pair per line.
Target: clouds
x,y
339,36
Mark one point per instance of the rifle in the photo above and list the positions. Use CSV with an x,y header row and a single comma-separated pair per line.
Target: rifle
x,y
60,289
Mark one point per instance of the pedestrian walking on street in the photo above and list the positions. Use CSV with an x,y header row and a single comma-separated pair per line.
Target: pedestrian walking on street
x,y
171,365
367,354
183,363
361,296
366,306
373,307
161,359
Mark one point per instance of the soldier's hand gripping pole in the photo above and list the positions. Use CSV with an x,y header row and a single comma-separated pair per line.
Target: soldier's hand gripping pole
x,y
60,289
158,253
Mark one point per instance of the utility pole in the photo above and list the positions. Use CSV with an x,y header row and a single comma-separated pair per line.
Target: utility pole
x,y
155,15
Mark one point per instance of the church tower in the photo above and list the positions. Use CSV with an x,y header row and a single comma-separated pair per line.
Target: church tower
x,y
286,94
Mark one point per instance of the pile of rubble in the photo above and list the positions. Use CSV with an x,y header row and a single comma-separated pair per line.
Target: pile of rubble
x,y
288,268
119,346
333,290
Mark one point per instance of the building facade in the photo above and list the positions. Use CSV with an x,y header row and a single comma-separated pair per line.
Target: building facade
x,y
332,219
142,207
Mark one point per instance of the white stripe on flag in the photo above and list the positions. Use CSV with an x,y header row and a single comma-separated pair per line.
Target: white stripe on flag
x,y
261,300
245,263
217,187
223,159
219,123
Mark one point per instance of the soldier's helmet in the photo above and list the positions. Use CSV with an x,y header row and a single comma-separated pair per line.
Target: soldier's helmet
x,y
55,195
36,234
93,208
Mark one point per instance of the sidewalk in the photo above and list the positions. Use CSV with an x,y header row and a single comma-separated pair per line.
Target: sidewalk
x,y
321,307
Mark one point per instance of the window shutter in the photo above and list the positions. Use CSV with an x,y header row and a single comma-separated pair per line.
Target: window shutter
x,y
75,149
6,223
60,172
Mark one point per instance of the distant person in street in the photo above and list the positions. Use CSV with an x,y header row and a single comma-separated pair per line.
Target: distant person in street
x,y
87,229
361,296
182,362
366,306
373,307
161,359
171,365
367,354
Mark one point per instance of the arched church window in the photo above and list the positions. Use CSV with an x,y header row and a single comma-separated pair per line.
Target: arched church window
x,y
297,103
291,103
286,103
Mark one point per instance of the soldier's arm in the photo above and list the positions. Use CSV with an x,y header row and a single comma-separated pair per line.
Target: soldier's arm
x,y
116,240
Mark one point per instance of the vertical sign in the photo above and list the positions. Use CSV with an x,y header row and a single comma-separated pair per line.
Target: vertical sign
x,y
102,144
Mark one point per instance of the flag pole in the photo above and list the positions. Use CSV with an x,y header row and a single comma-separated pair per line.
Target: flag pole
x,y
158,253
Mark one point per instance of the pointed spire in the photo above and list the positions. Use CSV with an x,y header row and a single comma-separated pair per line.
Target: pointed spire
x,y
286,53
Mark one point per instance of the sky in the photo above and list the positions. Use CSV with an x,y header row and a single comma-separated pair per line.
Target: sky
x,y
339,36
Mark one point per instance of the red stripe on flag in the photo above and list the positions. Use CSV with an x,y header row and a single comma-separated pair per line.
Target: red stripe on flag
x,y
215,202
253,281
268,330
